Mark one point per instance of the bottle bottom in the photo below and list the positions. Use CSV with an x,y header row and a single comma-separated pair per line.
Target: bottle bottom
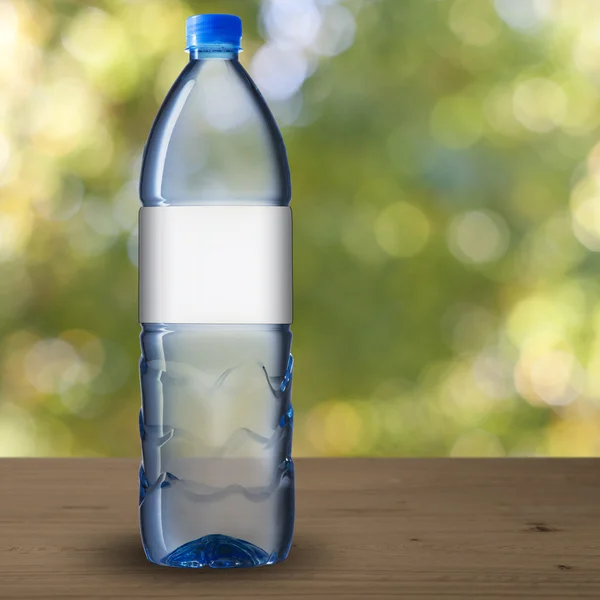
x,y
218,552
189,524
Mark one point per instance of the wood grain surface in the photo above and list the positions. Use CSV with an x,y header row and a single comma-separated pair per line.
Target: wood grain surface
x,y
365,528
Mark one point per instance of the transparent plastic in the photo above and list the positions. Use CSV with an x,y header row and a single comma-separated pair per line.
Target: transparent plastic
x,y
214,140
217,478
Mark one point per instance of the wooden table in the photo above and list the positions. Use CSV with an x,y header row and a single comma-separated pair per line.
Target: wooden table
x,y
365,528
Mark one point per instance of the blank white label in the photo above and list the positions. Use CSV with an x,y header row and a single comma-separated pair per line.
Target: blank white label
x,y
215,264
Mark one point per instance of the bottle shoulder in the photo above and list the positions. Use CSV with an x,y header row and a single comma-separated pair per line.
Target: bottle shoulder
x,y
214,141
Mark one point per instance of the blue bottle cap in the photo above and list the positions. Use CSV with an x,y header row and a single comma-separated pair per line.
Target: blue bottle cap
x,y
213,30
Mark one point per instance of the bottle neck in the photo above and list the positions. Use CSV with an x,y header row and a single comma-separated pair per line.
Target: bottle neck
x,y
210,52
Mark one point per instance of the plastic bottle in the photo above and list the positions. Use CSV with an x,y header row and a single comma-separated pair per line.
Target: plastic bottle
x,y
217,478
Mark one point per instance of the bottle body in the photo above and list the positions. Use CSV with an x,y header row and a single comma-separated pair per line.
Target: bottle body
x,y
217,478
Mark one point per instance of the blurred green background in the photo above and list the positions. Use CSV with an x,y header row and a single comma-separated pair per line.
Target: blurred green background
x,y
446,175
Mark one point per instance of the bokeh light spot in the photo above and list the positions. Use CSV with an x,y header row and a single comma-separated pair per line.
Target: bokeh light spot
x,y
540,104
52,366
478,237
17,431
557,377
585,209
523,14
336,33
278,72
475,23
493,374
402,229
295,22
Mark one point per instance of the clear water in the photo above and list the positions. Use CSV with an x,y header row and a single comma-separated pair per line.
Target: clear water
x,y
217,478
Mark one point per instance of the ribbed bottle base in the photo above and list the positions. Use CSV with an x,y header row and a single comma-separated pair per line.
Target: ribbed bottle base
x,y
219,552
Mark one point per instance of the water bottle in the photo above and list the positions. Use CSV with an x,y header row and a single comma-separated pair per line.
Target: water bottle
x,y
216,478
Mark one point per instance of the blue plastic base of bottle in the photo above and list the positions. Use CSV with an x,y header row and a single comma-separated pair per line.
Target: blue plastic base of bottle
x,y
218,552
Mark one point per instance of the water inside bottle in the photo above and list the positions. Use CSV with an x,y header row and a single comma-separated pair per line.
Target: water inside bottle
x,y
216,483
